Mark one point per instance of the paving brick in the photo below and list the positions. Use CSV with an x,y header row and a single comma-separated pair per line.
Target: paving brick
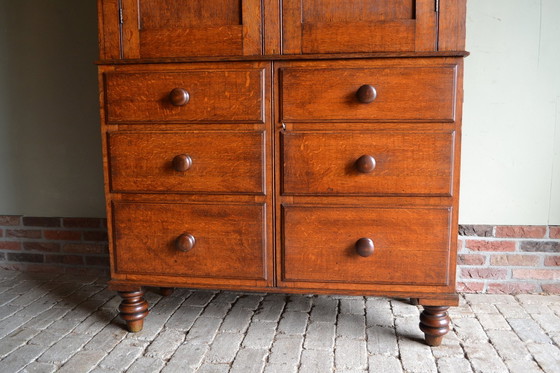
x,y
324,309
213,368
146,364
293,322
355,306
63,350
450,347
260,334
379,313
402,308
249,360
492,299
484,358
351,326
523,366
350,354
316,361
123,355
508,345
184,317
416,357
300,303
320,336
217,310
512,311
382,341
36,367
529,331
469,330
385,364
548,321
286,352
165,344
237,320
226,297
224,348
83,361
203,330
200,298
106,339
546,355
186,359
493,322
21,357
249,301
454,365
270,309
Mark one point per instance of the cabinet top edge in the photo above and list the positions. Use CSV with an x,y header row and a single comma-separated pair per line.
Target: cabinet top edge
x,y
285,57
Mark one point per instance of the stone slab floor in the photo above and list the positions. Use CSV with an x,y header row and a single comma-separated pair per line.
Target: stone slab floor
x,y
68,323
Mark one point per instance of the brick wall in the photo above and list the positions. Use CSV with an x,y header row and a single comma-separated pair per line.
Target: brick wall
x,y
53,244
509,259
491,259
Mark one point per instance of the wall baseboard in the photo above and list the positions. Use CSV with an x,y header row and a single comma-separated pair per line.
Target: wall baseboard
x,y
491,259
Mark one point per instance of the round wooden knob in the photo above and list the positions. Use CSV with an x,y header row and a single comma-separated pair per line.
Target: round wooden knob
x,y
182,162
365,164
366,94
364,247
179,96
185,242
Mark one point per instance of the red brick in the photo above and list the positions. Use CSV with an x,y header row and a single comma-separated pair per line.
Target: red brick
x,y
521,231
552,261
553,288
460,245
26,267
23,233
10,245
98,261
1,233
482,245
35,221
483,273
536,274
26,257
11,220
41,246
84,271
95,236
81,222
65,259
471,259
59,235
470,287
514,260
511,288
85,248
554,231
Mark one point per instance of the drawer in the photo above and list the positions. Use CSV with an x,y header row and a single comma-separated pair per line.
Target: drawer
x,y
400,94
216,96
410,245
372,163
155,238
185,162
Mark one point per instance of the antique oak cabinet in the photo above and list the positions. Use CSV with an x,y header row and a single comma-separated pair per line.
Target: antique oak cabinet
x,y
294,146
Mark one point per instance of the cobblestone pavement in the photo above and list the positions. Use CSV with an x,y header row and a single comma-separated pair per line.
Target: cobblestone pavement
x,y
63,323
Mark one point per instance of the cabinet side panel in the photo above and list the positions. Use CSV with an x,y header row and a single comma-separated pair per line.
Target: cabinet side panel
x,y
452,15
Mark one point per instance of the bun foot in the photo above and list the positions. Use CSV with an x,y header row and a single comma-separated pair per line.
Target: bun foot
x,y
133,309
166,291
434,322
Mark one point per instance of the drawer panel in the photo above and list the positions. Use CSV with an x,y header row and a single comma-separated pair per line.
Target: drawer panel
x,y
214,95
217,162
410,245
229,239
372,163
402,94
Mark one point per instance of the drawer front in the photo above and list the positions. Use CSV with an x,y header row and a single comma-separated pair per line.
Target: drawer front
x,y
401,94
215,96
373,163
187,162
229,239
410,245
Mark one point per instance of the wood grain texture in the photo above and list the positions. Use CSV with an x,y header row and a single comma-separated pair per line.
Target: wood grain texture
x,y
404,93
216,95
405,163
230,239
452,25
108,29
143,162
411,245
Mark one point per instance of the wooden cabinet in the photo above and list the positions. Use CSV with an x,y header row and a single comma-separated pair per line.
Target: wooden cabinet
x,y
297,146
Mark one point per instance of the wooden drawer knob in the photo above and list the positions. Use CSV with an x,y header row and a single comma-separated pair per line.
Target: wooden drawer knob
x,y
364,247
182,162
365,164
185,242
179,96
366,94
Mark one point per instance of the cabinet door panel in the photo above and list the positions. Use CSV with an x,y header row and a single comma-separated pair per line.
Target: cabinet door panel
x,y
331,26
160,28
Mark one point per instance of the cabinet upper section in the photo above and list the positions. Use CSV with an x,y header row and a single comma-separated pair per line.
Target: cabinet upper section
x,y
156,29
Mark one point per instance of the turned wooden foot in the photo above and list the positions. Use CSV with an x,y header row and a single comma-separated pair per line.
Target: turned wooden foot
x,y
133,309
166,291
434,322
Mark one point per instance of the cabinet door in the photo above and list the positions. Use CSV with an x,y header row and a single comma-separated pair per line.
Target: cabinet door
x,y
334,26
178,28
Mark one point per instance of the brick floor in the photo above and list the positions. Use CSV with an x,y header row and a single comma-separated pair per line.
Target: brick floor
x,y
66,323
